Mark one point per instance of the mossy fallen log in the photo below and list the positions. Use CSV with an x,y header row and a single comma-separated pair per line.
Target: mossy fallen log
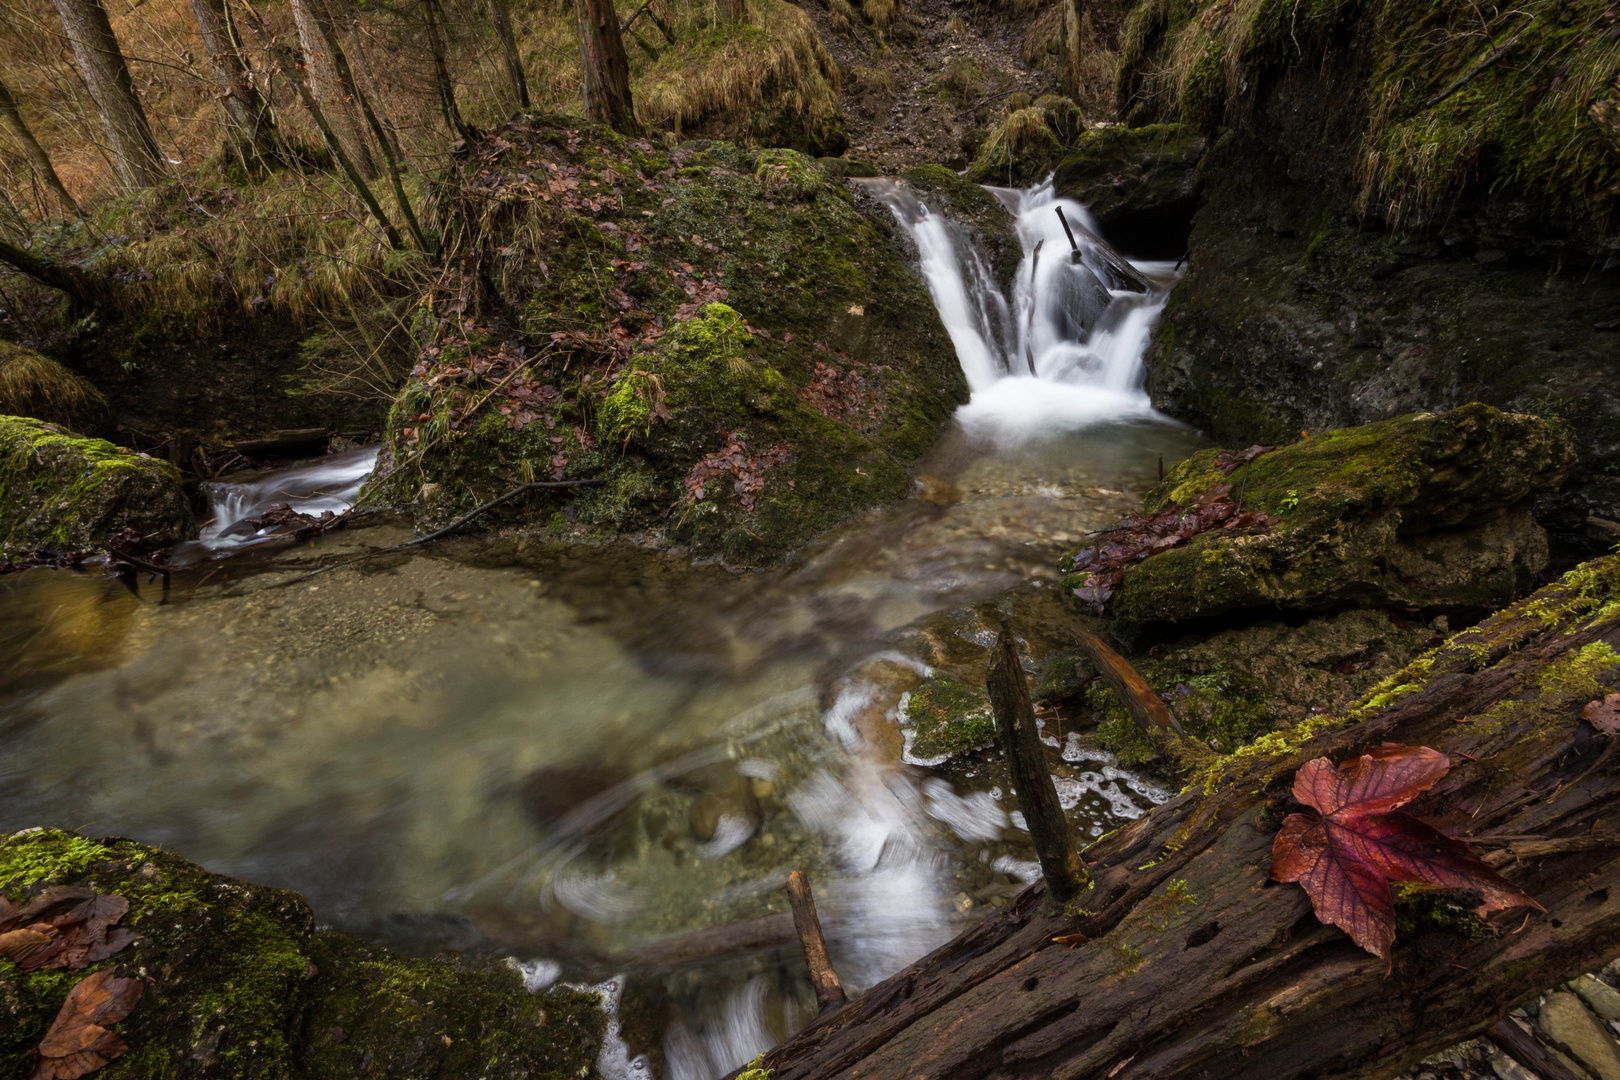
x,y
1197,965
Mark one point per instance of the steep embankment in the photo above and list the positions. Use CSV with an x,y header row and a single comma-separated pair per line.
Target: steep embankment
x,y
1404,207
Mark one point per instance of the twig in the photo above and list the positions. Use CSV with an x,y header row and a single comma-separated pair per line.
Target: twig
x,y
829,991
1475,70
538,485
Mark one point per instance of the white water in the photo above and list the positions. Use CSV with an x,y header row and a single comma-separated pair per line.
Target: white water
x,y
1085,346
326,484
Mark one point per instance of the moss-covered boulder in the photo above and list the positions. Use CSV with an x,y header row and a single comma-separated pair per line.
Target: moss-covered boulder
x,y
1428,511
946,718
1027,142
62,492
986,222
1140,184
731,341
240,983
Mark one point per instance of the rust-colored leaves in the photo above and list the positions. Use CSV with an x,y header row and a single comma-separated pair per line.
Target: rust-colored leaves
x,y
66,926
1346,858
78,1042
1604,715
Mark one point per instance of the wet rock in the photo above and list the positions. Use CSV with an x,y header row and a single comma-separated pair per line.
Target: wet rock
x,y
241,982
1564,1018
724,794
1064,674
981,216
62,492
1140,184
1599,996
947,718
578,802
1423,511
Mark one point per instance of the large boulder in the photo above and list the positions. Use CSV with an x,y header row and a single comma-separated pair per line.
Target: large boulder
x,y
1141,185
1427,511
982,218
733,342
238,982
62,492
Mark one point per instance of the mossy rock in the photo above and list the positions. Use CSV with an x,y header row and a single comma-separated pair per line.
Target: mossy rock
x,y
729,339
1141,185
980,214
62,492
240,983
948,718
1428,511
1063,675
1234,686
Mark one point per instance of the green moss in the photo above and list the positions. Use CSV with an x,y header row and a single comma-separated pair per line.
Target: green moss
x,y
756,1070
948,718
1420,906
1221,705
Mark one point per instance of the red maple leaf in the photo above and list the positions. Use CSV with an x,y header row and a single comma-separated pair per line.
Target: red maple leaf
x,y
1346,858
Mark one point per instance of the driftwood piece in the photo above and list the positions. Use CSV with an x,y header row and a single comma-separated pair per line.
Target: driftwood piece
x,y
1146,708
1020,742
1199,966
1522,1047
829,991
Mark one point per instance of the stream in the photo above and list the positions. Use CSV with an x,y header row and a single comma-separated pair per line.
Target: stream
x,y
581,757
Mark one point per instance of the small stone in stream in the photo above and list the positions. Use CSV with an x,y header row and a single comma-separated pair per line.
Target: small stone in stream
x,y
725,796
1506,1068
1599,996
1564,1018
572,801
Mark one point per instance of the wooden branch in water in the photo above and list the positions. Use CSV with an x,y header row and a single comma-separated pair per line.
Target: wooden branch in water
x,y
1020,741
1145,706
1522,1047
829,991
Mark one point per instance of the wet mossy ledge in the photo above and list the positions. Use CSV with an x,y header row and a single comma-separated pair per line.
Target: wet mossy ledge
x,y
60,491
238,982
1427,511
733,342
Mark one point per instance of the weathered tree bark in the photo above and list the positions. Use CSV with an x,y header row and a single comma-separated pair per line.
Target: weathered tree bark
x,y
1071,48
1020,743
441,73
1144,705
37,157
605,67
501,18
80,286
823,979
135,155
1199,966
334,94
252,125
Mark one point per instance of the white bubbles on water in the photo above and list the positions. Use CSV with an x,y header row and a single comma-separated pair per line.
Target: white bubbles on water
x,y
974,817
538,975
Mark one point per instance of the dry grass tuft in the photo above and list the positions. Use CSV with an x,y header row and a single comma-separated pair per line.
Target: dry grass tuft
x,y
37,386
880,13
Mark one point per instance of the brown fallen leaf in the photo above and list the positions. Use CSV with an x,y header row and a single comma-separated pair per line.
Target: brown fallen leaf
x,y
1604,715
31,947
67,926
78,1042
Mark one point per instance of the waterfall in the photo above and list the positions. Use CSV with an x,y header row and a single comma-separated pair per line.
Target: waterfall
x,y
1075,322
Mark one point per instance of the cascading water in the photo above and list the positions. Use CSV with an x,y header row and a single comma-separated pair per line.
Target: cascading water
x,y
1064,350
327,484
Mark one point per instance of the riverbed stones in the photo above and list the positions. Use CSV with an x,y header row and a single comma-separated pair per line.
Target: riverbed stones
x,y
1599,996
1428,511
240,983
947,718
60,491
1566,1019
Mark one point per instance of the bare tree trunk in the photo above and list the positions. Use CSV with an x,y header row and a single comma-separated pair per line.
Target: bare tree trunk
x,y
37,157
368,85
731,10
502,18
441,73
1072,10
84,289
253,126
1191,963
337,100
606,68
136,158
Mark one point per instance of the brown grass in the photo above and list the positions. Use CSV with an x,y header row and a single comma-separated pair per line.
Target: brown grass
x,y
37,386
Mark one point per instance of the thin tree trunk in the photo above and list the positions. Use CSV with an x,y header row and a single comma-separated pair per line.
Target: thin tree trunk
x,y
605,67
84,289
1191,963
37,156
502,18
329,89
441,74
1072,10
731,10
136,158
368,85
249,113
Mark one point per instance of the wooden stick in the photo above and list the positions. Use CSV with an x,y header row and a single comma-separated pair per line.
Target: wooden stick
x,y
1519,1045
1070,234
1026,768
1466,79
1145,706
829,991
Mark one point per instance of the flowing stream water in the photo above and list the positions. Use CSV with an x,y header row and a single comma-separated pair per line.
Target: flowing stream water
x,y
603,762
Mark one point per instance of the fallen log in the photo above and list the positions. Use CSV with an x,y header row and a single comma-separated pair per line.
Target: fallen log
x,y
1188,961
